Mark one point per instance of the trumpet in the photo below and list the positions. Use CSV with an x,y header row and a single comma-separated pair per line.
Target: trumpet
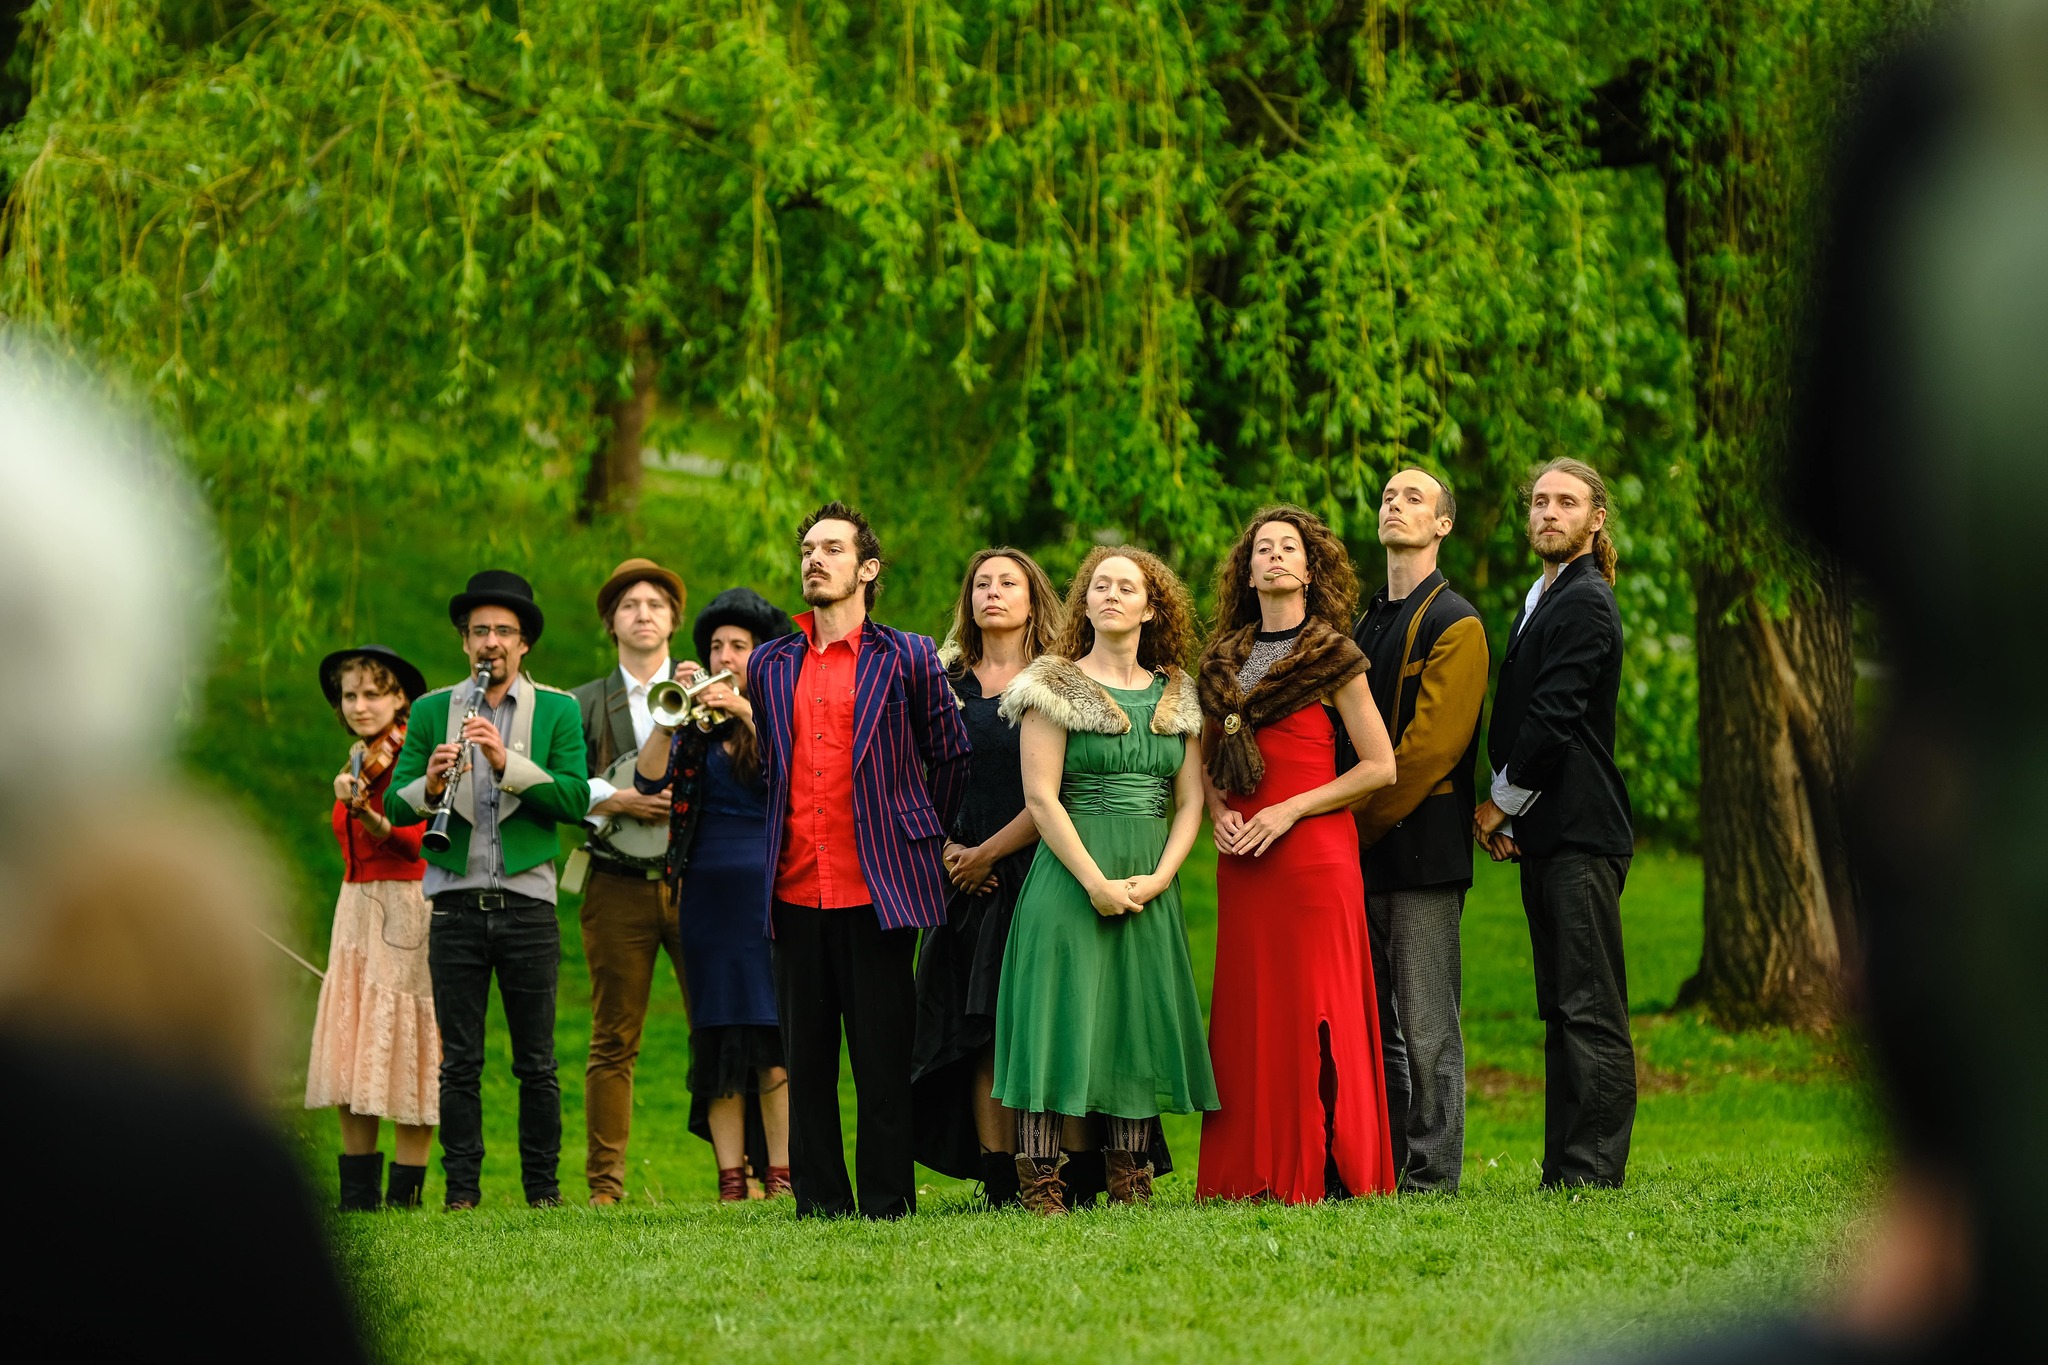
x,y
436,839
672,705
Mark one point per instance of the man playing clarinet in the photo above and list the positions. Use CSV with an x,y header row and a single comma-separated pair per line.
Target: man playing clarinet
x,y
505,767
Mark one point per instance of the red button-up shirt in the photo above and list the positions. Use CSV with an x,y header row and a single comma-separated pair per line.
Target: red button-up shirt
x,y
820,862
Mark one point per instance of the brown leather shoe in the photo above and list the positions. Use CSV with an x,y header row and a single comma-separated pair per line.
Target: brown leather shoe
x,y
1130,1178
732,1185
603,1201
1039,1187
458,1206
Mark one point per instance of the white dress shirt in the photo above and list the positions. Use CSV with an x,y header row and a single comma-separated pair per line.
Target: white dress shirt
x,y
643,726
1511,799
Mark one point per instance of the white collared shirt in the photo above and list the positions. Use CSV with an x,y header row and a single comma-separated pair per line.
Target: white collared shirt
x,y
1511,799
643,726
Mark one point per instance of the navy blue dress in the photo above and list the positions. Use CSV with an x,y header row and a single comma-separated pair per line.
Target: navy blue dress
x,y
725,957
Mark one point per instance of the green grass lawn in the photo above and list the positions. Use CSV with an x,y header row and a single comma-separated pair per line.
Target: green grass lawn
x,y
1751,1154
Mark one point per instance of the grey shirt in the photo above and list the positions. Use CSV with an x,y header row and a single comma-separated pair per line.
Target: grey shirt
x,y
486,869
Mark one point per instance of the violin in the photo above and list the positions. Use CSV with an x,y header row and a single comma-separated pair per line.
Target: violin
x,y
371,759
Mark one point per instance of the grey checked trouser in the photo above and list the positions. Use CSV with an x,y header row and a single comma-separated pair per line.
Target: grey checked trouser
x,y
1419,980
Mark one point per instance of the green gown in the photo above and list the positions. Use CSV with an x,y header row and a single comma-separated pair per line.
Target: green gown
x,y
1099,1015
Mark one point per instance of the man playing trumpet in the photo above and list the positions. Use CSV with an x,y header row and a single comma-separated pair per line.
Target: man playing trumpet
x,y
507,766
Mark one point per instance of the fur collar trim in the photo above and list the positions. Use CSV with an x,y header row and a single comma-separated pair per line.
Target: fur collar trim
x,y
1323,659
1074,701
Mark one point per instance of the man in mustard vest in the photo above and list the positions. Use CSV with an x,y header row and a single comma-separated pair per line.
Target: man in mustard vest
x,y
517,768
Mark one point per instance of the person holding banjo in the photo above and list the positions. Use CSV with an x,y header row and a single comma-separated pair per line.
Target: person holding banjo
x,y
494,764
629,914
705,756
376,1050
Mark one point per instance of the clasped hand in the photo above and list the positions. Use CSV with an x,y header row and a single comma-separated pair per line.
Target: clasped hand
x,y
1250,838
972,870
1125,895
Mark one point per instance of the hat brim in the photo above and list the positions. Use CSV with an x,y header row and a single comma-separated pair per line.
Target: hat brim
x,y
530,619
763,619
615,587
410,680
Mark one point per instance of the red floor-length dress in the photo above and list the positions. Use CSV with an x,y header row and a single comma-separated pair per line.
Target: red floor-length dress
x,y
1292,970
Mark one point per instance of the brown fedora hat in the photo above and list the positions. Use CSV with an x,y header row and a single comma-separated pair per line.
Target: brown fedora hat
x,y
638,571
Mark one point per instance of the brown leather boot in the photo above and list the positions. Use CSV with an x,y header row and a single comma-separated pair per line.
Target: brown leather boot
x,y
1130,1177
732,1185
1039,1187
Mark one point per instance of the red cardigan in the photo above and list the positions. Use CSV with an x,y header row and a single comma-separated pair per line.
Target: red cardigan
x,y
394,859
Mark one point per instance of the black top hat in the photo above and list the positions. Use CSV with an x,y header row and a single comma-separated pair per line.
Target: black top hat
x,y
499,588
739,607
410,679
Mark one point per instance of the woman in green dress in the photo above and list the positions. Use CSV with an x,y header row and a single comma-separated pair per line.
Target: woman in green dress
x,y
1097,1021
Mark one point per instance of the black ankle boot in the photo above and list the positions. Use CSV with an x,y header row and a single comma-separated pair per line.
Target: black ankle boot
x,y
362,1178
1087,1178
999,1178
407,1183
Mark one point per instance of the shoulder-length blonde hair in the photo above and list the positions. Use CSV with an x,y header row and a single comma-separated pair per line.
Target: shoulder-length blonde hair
x,y
1332,582
1167,639
1047,615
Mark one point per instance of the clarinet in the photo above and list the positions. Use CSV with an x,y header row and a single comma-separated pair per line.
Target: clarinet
x,y
436,840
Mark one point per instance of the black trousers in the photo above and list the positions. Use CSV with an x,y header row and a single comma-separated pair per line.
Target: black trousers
x,y
522,944
1573,901
833,966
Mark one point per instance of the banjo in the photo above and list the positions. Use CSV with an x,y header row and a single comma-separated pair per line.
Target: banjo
x,y
636,843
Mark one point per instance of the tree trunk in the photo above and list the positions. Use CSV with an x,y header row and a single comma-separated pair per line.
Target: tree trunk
x,y
1776,711
612,483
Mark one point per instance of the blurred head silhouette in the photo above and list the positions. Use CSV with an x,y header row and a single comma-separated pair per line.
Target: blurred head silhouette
x,y
125,904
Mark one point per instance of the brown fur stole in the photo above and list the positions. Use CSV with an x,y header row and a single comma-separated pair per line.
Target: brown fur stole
x,y
1323,659
1072,700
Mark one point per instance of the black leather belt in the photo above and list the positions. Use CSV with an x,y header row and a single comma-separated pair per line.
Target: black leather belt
x,y
626,870
487,900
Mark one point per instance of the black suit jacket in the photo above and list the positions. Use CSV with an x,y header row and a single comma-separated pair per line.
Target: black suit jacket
x,y
1553,718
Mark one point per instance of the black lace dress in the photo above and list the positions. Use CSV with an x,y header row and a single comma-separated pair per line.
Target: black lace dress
x,y
960,963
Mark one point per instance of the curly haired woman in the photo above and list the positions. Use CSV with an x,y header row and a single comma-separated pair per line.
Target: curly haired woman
x,y
1296,1049
1097,1019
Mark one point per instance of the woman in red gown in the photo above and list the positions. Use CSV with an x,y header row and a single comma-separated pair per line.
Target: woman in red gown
x,y
1292,1033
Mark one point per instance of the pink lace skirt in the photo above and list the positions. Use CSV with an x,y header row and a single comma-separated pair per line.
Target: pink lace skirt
x,y
376,1049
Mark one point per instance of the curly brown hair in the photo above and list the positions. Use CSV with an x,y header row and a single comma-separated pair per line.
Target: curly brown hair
x,y
1046,613
1165,640
1332,582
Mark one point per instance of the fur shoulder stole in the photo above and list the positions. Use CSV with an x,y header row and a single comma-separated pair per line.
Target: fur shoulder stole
x,y
1323,659
1072,700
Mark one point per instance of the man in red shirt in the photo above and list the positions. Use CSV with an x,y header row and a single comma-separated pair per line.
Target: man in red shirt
x,y
865,756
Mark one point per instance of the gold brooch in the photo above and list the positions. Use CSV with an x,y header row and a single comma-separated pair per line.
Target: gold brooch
x,y
1232,723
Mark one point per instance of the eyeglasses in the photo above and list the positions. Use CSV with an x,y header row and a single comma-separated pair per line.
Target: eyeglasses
x,y
482,634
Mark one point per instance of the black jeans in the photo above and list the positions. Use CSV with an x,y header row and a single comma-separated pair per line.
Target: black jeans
x,y
833,965
1573,901
522,943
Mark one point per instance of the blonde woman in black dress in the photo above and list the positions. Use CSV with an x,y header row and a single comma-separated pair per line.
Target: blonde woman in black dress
x,y
1007,615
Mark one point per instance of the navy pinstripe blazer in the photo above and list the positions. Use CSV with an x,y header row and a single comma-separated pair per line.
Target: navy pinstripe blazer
x,y
909,765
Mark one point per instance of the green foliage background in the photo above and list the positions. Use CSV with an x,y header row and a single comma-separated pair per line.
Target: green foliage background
x,y
1038,271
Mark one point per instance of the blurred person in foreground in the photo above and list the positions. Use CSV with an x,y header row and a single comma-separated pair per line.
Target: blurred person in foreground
x,y
135,988
1925,407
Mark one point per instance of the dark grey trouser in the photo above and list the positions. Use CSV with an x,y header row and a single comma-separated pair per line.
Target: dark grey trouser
x,y
1573,901
1419,982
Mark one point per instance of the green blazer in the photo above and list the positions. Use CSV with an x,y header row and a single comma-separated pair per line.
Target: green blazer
x,y
546,780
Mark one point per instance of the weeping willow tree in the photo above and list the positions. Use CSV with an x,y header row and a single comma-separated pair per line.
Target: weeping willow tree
x,y
1040,269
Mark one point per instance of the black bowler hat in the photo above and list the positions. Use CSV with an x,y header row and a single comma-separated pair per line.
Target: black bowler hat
x,y
498,588
410,679
739,607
